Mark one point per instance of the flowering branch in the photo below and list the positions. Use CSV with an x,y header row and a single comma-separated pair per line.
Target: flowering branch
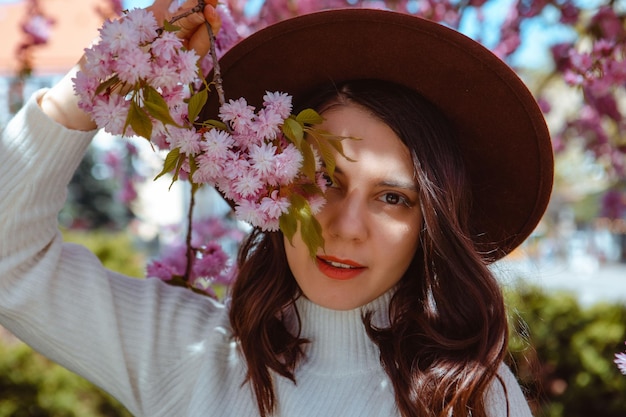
x,y
140,80
217,73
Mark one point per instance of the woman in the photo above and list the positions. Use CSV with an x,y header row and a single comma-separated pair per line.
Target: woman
x,y
397,315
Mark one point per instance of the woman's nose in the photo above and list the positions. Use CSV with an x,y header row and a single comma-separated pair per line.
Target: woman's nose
x,y
345,217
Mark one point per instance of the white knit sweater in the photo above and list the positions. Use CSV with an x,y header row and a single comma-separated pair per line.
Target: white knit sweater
x,y
161,350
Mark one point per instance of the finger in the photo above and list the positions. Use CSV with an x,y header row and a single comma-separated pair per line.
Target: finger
x,y
189,24
200,41
213,17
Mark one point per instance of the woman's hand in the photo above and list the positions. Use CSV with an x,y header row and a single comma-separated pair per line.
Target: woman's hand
x,y
192,27
60,102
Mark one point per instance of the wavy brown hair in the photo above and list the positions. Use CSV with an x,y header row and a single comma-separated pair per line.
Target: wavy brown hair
x,y
448,331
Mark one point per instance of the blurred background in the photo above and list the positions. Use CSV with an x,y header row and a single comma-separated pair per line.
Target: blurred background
x,y
566,286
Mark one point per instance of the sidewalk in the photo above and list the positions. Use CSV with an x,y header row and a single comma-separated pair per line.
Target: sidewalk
x,y
590,281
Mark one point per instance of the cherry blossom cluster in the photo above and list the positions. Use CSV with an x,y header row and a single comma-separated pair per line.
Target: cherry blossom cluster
x,y
132,54
140,80
213,243
253,163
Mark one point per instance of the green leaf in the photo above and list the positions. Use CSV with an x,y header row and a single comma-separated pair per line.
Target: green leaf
x,y
215,123
179,165
308,162
311,233
156,105
294,131
327,155
196,103
169,27
337,142
139,121
171,161
288,224
309,116
310,229
107,84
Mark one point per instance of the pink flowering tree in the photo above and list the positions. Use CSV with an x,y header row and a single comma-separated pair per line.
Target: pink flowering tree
x,y
36,28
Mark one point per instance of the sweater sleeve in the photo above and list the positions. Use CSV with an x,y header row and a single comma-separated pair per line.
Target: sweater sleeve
x,y
132,337
506,393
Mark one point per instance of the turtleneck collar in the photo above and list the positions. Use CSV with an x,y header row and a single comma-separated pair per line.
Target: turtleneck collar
x,y
339,343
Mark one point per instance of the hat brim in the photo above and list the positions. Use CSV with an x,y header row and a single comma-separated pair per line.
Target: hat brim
x,y
502,133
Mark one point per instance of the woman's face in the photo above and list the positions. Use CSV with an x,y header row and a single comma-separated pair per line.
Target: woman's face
x,y
371,220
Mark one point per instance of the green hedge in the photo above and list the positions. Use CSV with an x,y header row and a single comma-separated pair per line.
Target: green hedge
x,y
32,386
564,353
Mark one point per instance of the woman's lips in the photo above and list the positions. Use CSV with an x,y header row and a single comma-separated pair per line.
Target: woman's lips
x,y
339,269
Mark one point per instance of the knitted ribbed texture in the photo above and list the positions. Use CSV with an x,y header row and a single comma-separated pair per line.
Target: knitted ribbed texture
x,y
161,350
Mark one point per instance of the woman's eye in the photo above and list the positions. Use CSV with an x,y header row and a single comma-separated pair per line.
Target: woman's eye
x,y
394,199
328,180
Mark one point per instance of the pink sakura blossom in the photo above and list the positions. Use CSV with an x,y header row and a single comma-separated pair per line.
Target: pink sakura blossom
x,y
39,28
236,163
247,139
161,270
119,35
187,140
166,47
109,113
187,66
279,103
85,87
274,206
133,65
287,164
217,143
620,361
213,261
238,113
316,202
249,211
172,264
209,169
162,76
144,23
248,184
262,157
267,123
98,62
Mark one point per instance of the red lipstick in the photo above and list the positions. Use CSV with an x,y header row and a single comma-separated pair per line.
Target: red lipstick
x,y
339,269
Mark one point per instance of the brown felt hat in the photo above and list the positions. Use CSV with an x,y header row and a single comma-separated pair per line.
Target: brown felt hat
x,y
502,133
